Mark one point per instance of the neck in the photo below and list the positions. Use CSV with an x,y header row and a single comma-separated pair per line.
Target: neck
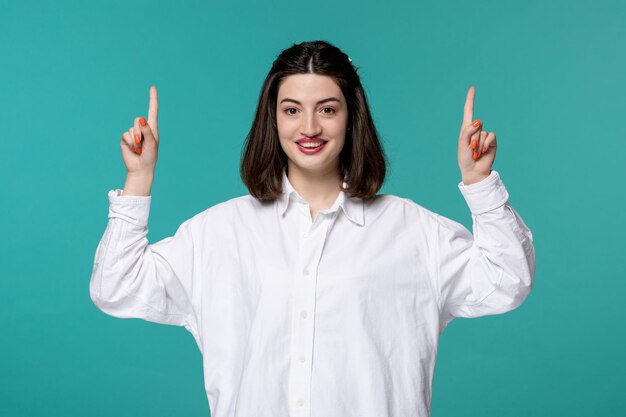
x,y
319,189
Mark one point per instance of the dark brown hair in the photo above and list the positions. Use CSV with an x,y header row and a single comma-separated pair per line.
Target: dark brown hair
x,y
362,159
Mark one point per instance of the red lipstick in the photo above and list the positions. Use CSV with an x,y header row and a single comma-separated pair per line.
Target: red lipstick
x,y
310,150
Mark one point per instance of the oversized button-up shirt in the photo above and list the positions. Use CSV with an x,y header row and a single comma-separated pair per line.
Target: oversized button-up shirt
x,y
335,316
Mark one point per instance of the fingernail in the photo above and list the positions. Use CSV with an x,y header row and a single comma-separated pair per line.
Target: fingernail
x,y
477,123
142,121
484,150
138,151
137,139
473,144
475,155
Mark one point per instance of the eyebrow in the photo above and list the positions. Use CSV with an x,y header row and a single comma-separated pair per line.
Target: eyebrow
x,y
326,100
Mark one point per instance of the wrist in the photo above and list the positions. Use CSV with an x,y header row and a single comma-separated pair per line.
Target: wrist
x,y
473,178
138,184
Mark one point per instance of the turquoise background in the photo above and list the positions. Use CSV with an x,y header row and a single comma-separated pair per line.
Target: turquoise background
x,y
551,82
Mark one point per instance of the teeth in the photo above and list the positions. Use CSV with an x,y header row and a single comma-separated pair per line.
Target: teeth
x,y
310,144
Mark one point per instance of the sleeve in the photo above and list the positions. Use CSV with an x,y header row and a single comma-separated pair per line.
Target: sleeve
x,y
133,279
492,270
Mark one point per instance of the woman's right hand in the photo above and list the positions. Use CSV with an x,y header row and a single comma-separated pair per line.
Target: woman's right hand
x,y
140,150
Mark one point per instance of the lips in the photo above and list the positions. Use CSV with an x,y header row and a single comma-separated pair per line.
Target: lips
x,y
311,140
310,145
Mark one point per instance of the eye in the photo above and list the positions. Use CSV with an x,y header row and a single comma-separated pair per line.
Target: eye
x,y
328,110
291,111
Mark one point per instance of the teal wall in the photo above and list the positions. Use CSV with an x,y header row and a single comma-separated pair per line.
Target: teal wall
x,y
551,82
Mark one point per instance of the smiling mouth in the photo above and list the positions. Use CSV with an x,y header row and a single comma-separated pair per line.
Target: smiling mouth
x,y
311,146
311,143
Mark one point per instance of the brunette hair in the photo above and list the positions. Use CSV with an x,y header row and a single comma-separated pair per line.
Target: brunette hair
x,y
362,159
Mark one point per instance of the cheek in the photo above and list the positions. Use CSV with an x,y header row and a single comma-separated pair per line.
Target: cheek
x,y
284,128
284,135
338,129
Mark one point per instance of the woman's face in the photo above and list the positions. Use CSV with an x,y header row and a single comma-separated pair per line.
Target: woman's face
x,y
311,109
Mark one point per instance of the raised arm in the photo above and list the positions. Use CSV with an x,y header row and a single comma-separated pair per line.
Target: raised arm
x,y
130,277
491,270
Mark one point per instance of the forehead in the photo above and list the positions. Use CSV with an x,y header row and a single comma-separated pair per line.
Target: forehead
x,y
309,87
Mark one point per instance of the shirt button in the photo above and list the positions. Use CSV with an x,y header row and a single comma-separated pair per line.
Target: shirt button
x,y
306,271
301,359
300,403
305,235
303,314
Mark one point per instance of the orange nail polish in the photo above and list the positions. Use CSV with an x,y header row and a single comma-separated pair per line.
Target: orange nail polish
x,y
477,123
475,155
137,139
473,144
484,150
142,121
138,151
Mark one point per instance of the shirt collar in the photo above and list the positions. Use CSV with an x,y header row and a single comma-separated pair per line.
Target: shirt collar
x,y
352,207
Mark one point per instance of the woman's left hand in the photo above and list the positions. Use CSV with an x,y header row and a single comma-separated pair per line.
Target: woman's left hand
x,y
477,148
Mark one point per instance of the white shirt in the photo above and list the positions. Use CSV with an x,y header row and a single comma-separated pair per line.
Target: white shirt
x,y
335,317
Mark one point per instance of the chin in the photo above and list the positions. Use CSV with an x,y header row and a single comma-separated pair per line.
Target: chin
x,y
314,167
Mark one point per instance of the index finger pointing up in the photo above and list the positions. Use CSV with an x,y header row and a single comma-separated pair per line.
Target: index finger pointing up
x,y
468,112
153,108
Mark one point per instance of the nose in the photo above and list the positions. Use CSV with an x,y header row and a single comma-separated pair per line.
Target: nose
x,y
310,127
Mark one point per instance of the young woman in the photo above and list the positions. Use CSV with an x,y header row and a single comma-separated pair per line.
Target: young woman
x,y
313,295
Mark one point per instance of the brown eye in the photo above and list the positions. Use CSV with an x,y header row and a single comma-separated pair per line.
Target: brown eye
x,y
290,111
328,110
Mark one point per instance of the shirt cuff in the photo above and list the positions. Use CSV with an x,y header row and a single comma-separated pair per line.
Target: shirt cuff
x,y
133,209
485,195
